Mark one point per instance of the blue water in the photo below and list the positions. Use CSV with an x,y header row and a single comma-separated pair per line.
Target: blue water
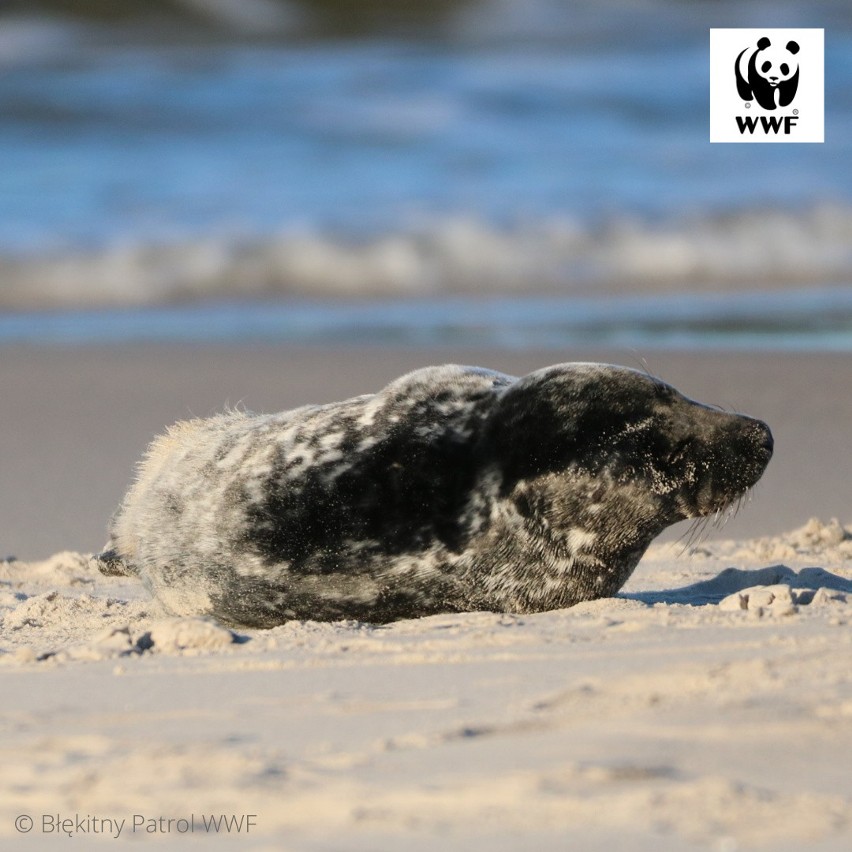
x,y
803,320
508,149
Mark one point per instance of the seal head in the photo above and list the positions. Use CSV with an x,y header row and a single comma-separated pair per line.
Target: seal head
x,y
454,488
617,457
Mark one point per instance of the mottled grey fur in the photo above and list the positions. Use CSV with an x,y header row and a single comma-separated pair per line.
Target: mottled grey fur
x,y
454,488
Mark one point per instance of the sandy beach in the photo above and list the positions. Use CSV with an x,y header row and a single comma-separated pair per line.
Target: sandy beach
x,y
263,204
705,707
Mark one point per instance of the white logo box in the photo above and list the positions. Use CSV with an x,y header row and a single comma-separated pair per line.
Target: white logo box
x,y
734,120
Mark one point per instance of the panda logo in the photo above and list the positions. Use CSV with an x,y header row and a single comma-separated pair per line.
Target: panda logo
x,y
768,74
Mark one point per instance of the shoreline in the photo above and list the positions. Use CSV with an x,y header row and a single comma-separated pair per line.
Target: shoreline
x,y
817,318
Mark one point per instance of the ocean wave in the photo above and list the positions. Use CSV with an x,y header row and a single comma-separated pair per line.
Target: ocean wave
x,y
755,249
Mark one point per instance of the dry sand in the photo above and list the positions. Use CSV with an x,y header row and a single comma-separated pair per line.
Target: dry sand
x,y
708,706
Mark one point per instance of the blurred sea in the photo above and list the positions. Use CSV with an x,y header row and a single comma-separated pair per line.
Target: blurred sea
x,y
514,172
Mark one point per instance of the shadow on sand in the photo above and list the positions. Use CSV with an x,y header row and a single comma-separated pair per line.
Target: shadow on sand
x,y
736,579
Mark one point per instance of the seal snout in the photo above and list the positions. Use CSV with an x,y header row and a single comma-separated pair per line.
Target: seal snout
x,y
768,442
742,458
733,455
753,447
762,437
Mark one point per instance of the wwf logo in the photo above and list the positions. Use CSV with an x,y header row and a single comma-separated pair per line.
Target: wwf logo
x,y
770,102
768,74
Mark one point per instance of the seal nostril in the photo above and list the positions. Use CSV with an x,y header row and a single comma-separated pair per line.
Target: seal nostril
x,y
767,442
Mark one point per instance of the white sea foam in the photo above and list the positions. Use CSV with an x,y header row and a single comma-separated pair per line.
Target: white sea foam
x,y
760,248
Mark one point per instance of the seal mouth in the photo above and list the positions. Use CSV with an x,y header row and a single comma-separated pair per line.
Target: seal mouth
x,y
715,519
717,502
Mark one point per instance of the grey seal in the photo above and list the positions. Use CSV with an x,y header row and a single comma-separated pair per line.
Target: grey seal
x,y
452,489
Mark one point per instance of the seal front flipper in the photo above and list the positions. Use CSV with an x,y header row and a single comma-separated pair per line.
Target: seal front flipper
x,y
111,564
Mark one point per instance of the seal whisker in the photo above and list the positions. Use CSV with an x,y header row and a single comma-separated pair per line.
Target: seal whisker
x,y
686,538
645,367
694,534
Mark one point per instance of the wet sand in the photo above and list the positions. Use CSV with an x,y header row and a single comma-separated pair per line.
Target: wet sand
x,y
74,422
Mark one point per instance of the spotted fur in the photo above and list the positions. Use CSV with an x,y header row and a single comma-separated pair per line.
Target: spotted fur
x,y
454,488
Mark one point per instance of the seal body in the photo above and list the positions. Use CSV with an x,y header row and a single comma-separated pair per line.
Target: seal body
x,y
454,488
